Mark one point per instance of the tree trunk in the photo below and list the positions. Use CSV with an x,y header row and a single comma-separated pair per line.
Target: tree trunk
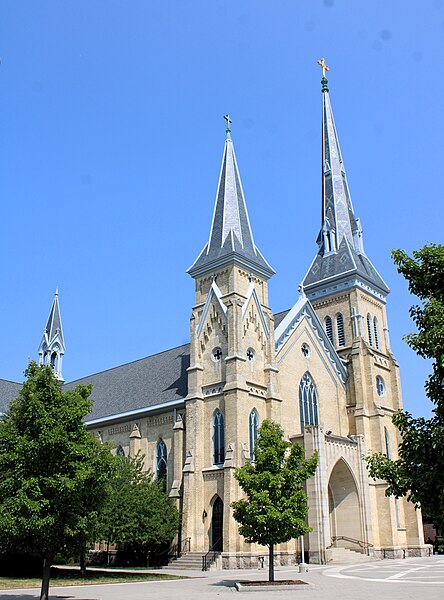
x,y
44,593
82,564
271,563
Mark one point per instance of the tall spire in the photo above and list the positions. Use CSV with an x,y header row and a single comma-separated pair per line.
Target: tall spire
x,y
341,249
231,238
338,219
52,346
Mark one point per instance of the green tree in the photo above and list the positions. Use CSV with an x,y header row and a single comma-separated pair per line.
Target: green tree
x,y
138,513
275,509
418,472
53,473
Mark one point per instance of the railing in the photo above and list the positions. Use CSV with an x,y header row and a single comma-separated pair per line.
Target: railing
x,y
209,558
364,545
179,549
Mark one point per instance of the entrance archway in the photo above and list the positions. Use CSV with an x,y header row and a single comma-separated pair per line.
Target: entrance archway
x,y
344,507
217,525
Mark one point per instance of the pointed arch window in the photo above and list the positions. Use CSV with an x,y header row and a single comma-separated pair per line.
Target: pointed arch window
x,y
369,329
387,443
218,438
308,402
328,326
254,429
376,331
340,329
120,451
161,460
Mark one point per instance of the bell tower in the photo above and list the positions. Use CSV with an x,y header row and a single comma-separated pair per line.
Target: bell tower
x,y
349,297
232,371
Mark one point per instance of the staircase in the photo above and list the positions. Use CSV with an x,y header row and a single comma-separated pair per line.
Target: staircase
x,y
346,555
191,561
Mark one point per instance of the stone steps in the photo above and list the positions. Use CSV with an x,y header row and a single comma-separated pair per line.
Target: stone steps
x,y
348,555
189,561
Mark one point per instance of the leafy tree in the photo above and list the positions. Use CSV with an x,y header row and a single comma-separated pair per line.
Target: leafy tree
x,y
53,473
275,510
418,472
138,513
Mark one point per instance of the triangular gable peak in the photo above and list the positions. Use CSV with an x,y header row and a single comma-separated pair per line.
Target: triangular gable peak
x,y
252,297
304,310
214,294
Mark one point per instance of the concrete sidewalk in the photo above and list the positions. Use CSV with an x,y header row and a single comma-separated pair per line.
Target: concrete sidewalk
x,y
385,580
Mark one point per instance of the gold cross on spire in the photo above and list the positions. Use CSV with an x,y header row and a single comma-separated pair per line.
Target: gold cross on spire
x,y
324,67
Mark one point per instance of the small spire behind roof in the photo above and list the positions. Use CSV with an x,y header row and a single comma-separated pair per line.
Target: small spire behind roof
x,y
52,346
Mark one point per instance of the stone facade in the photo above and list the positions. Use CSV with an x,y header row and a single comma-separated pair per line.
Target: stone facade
x,y
323,370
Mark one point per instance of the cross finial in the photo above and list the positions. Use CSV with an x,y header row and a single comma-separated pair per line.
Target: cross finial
x,y
323,66
228,130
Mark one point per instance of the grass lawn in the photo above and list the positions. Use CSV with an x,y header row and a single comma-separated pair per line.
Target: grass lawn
x,y
72,577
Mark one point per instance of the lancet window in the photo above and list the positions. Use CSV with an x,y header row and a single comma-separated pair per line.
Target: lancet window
x,y
308,402
328,326
254,428
218,438
369,329
161,460
340,329
376,331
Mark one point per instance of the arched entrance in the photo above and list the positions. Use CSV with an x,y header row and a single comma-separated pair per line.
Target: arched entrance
x,y
344,507
217,525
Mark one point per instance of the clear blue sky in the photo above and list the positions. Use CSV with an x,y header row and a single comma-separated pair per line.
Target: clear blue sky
x,y
111,137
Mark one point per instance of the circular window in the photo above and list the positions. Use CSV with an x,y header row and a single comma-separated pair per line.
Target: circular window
x,y
305,349
250,354
217,354
380,386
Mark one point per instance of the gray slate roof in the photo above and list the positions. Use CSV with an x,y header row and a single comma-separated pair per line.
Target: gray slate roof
x,y
346,262
153,380
8,391
231,238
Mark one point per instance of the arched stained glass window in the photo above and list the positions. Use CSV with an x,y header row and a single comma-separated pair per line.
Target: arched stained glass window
x,y
376,331
161,460
218,438
308,402
120,451
254,427
328,326
369,329
387,443
340,329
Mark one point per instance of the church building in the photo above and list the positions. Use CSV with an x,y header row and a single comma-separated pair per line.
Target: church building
x,y
323,370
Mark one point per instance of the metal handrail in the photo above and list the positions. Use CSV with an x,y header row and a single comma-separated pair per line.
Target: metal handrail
x,y
209,558
360,543
178,549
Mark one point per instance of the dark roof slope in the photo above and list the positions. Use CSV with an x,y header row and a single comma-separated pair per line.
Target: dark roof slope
x,y
8,391
153,380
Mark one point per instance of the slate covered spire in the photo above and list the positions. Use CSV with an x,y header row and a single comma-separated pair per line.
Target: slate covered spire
x,y
341,249
231,238
52,346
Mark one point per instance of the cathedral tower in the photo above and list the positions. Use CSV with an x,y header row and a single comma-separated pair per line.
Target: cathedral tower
x,y
349,297
231,378
52,346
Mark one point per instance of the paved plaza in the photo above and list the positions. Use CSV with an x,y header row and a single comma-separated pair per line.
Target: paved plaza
x,y
413,578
